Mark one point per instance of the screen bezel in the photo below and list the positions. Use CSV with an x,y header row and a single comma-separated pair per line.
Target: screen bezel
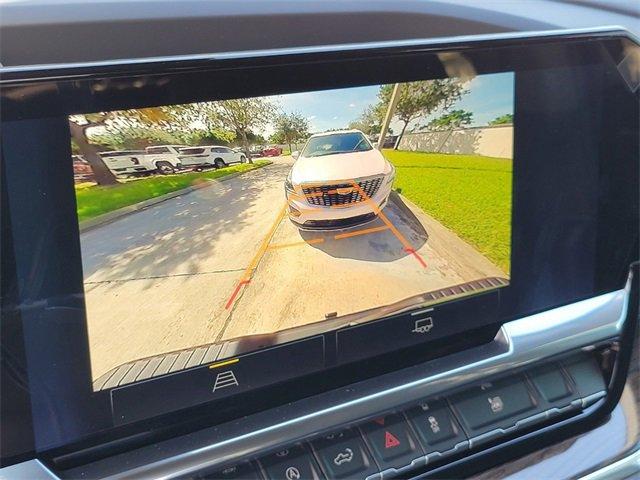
x,y
64,91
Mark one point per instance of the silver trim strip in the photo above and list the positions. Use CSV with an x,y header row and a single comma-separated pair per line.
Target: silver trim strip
x,y
30,470
417,43
622,469
519,343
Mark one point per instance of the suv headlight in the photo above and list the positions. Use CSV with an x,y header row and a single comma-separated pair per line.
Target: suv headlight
x,y
391,175
288,185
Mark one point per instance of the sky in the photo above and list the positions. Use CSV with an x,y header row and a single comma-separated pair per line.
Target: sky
x,y
489,97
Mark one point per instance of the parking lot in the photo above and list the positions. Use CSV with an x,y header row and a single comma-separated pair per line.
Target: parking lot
x,y
225,261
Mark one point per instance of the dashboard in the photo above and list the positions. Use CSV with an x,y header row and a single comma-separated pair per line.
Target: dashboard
x,y
379,256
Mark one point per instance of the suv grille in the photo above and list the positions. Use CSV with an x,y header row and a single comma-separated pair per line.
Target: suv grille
x,y
328,196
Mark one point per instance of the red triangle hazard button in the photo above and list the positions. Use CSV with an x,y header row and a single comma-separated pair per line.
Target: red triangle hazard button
x,y
390,440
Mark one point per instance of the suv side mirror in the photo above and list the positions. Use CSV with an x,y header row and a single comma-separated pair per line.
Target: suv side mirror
x,y
295,154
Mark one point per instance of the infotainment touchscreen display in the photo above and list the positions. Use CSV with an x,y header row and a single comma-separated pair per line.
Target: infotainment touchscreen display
x,y
267,219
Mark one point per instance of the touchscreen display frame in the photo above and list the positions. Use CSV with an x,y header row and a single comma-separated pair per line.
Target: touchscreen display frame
x,y
45,96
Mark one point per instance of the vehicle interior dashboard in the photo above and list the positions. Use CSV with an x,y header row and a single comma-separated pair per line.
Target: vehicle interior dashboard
x,y
405,257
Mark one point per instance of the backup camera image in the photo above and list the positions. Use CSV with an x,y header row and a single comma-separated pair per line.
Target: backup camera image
x,y
217,228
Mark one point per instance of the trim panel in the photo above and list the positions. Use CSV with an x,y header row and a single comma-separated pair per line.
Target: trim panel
x,y
64,71
518,344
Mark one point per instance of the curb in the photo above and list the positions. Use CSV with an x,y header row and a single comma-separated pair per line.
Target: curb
x,y
408,208
114,215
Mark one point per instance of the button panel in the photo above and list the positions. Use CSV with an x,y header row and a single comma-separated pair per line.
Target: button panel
x,y
241,471
294,463
344,455
550,383
436,426
391,441
433,429
494,404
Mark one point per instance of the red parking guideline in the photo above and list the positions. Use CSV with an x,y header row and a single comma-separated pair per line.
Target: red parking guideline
x,y
417,255
235,293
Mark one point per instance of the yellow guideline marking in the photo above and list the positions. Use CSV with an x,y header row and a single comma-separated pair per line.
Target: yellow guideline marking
x,y
382,216
226,362
246,276
405,243
296,244
361,232
265,243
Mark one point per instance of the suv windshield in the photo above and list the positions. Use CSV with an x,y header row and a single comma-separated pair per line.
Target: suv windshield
x,y
336,143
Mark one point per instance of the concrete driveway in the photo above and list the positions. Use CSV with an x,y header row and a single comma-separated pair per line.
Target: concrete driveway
x,y
222,262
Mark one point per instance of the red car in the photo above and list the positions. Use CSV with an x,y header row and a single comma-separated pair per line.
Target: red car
x,y
272,152
82,171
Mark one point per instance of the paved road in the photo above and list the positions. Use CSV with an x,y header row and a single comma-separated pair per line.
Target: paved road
x,y
159,280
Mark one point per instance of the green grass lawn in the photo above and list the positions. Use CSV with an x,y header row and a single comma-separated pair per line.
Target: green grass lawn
x,y
469,194
96,200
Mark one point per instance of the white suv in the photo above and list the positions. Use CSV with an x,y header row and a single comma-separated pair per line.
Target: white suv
x,y
338,180
210,156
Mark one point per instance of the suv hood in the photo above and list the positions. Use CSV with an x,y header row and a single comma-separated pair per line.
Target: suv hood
x,y
339,166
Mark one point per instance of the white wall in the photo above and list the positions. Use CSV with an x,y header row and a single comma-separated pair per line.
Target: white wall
x,y
496,141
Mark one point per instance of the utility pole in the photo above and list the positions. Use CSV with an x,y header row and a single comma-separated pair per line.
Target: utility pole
x,y
391,110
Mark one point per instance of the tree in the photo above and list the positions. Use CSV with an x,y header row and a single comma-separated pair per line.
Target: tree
x,y
502,119
418,99
451,120
370,121
252,138
243,115
289,128
197,124
134,138
78,125
82,128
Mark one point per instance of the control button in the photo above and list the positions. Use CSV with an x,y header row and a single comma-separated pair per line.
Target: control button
x,y
494,404
391,441
408,330
550,382
293,463
436,427
343,455
219,380
586,375
241,471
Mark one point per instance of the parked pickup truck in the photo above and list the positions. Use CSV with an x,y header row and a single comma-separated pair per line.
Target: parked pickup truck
x,y
164,159
125,162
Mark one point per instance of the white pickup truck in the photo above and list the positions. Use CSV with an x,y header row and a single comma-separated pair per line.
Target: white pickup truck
x,y
162,159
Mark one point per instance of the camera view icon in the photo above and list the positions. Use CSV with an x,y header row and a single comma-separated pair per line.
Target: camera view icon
x,y
423,326
224,380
